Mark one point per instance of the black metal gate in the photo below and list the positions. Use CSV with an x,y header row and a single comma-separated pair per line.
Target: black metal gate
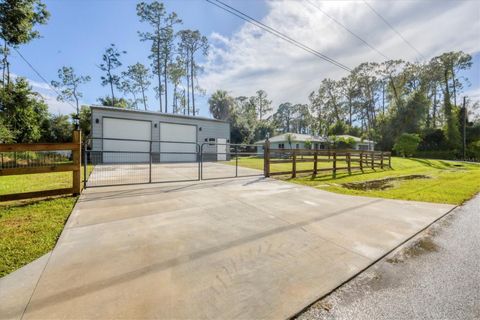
x,y
243,160
109,161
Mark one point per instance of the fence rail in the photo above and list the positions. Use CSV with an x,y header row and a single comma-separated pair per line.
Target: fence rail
x,y
21,163
350,159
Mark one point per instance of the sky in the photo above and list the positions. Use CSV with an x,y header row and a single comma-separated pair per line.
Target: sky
x,y
242,58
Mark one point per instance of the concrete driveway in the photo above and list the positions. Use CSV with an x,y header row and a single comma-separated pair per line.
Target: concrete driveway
x,y
244,248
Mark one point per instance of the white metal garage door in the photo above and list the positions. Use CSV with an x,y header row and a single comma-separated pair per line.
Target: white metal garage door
x,y
175,134
126,129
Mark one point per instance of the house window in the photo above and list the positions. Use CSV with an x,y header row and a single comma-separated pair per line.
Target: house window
x,y
363,147
281,146
297,146
322,146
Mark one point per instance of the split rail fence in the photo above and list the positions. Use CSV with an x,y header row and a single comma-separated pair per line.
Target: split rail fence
x,y
337,160
30,158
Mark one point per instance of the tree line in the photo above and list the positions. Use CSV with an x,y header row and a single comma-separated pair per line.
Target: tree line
x,y
173,69
172,73
375,101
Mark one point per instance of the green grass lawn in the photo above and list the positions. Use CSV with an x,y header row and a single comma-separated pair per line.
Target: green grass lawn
x,y
448,181
30,228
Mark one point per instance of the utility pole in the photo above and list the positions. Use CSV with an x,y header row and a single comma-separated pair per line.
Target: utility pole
x,y
464,127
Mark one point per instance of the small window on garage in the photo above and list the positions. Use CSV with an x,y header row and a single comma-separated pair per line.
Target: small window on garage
x,y
211,139
297,146
281,146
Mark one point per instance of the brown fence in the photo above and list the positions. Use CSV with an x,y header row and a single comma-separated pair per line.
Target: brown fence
x,y
336,160
19,165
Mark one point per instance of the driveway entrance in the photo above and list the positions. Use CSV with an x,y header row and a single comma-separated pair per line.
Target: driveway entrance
x,y
125,161
244,248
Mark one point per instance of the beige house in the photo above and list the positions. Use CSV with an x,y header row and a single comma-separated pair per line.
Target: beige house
x,y
298,141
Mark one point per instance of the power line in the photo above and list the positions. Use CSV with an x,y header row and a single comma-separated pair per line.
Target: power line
x,y
394,30
348,30
41,77
276,33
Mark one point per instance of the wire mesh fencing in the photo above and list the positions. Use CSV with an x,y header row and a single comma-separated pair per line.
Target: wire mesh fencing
x,y
26,159
127,161
124,161
228,160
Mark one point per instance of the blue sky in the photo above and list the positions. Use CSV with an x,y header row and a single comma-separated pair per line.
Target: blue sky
x,y
242,59
79,31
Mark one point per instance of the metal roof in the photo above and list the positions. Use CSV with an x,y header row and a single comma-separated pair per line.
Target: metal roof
x,y
172,115
298,137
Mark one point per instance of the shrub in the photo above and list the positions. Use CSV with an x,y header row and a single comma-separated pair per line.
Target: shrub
x,y
407,144
307,144
473,150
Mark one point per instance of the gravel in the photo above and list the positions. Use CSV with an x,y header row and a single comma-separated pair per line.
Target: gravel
x,y
436,275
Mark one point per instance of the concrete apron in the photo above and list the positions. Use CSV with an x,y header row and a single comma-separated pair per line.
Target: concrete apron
x,y
242,248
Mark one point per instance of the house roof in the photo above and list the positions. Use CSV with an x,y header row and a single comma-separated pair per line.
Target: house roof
x,y
171,115
296,137
357,139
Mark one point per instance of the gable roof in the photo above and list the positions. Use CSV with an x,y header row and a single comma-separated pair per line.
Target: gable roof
x,y
357,139
296,137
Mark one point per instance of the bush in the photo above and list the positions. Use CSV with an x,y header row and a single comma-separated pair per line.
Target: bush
x,y
473,150
433,140
307,144
407,144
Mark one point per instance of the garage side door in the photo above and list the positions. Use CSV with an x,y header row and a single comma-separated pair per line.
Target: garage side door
x,y
126,129
175,134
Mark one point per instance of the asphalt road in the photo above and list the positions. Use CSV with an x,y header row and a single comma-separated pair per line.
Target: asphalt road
x,y
434,276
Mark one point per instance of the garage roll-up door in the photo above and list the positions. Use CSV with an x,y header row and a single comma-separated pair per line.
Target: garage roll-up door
x,y
126,129
175,134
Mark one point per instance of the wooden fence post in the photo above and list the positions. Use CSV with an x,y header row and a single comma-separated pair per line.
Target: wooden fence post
x,y
349,164
381,160
361,161
373,160
334,169
294,163
389,160
315,162
77,162
266,158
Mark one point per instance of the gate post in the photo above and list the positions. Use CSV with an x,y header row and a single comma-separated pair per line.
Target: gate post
x,y
236,161
266,158
150,164
77,162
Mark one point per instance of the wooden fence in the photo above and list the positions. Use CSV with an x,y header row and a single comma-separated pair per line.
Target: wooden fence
x,y
350,159
74,166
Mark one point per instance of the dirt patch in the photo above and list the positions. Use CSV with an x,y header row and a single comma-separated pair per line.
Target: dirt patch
x,y
381,184
421,246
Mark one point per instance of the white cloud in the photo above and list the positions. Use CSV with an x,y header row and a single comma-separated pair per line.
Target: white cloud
x,y
252,59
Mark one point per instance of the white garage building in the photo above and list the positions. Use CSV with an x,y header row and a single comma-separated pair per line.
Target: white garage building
x,y
124,135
